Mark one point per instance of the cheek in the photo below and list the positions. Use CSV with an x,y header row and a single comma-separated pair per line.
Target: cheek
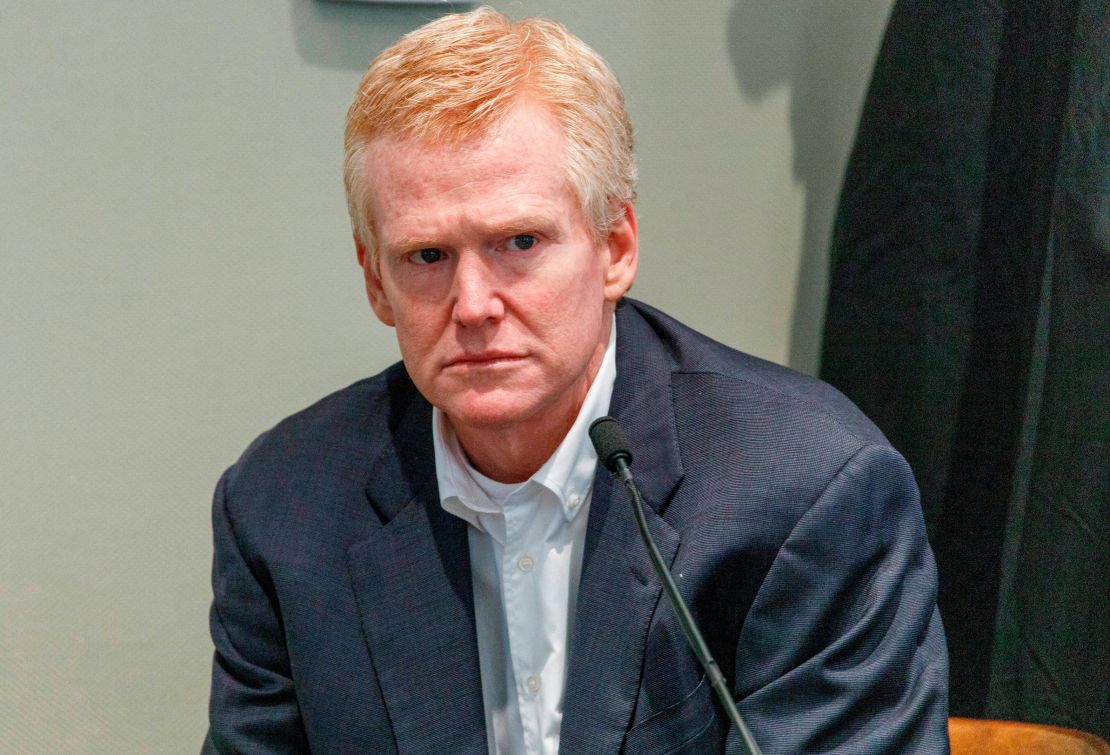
x,y
579,289
573,290
570,320
416,341
559,315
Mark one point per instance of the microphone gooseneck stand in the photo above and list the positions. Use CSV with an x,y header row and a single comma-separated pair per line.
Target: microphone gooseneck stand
x,y
612,449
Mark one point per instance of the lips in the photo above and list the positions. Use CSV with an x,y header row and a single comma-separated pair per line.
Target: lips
x,y
484,359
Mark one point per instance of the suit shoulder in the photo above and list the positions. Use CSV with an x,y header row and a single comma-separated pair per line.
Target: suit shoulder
x,y
804,394
723,371
332,427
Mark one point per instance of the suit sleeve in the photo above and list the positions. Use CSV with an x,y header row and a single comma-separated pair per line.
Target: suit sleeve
x,y
843,650
253,705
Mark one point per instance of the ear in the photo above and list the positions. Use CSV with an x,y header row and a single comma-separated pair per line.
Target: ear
x,y
371,273
623,243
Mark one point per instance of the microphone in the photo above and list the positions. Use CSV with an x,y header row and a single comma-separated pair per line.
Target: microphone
x,y
613,452
610,443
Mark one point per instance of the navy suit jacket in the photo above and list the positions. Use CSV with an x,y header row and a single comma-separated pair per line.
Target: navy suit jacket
x,y
343,616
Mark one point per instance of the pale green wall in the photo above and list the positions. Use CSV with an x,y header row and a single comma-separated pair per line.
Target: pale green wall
x,y
177,276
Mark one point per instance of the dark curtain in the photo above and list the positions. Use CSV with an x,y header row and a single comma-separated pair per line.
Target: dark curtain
x,y
969,316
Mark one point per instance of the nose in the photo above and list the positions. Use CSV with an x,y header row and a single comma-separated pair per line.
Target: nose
x,y
475,292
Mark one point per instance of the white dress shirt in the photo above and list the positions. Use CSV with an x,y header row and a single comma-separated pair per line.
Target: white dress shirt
x,y
526,542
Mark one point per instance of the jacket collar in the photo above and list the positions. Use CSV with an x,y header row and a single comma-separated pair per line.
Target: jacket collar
x,y
619,591
412,583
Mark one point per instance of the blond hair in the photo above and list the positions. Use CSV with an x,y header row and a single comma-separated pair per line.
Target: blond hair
x,y
454,78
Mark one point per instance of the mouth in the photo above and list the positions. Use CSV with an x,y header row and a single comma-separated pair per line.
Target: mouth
x,y
484,360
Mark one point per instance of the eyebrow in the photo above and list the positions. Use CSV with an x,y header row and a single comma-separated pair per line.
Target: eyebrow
x,y
542,224
409,244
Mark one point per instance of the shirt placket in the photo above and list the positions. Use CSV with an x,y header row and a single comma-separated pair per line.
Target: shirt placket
x,y
521,614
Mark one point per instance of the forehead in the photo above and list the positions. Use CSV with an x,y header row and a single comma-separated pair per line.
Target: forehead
x,y
524,152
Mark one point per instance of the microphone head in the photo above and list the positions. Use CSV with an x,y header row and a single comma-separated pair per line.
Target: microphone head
x,y
609,442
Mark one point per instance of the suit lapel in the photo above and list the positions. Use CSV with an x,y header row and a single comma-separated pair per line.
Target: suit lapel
x,y
619,591
412,582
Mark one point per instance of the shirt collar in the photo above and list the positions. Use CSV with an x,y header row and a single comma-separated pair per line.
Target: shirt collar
x,y
568,473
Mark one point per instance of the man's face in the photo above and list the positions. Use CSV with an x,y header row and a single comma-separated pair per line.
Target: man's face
x,y
500,295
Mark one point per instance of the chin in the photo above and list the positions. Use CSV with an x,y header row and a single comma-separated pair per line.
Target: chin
x,y
487,412
491,419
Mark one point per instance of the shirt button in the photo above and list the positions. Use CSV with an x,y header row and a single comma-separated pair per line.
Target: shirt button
x,y
533,683
573,501
526,563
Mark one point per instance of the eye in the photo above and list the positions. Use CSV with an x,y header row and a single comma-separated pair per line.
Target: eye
x,y
521,242
426,256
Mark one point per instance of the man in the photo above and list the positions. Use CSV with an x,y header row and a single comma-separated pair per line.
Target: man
x,y
430,561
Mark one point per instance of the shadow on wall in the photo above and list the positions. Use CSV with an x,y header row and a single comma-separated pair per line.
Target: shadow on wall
x,y
349,35
823,53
